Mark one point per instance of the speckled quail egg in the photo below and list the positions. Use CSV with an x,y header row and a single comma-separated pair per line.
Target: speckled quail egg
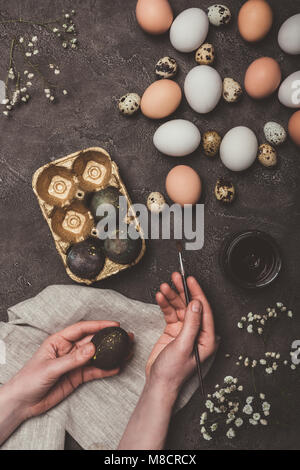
x,y
267,155
232,90
205,55
218,15
211,142
166,67
156,202
224,191
129,103
274,133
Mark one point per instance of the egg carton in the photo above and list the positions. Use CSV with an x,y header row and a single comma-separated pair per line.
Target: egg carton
x,y
62,188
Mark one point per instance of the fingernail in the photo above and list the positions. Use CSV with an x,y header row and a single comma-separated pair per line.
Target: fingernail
x,y
196,306
88,349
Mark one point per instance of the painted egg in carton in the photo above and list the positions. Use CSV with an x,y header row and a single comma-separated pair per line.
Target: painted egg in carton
x,y
64,189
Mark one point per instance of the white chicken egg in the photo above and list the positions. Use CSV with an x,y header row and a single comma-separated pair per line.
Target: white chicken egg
x,y
177,138
189,30
289,91
239,148
289,35
203,88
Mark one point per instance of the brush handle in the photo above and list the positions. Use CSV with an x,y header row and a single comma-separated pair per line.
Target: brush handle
x,y
196,350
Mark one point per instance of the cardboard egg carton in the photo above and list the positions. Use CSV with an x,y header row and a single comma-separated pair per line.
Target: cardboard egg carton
x,y
62,188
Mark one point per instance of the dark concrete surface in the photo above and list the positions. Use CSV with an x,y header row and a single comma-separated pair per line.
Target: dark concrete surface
x,y
116,57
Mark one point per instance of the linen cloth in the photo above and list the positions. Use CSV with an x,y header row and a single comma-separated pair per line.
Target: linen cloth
x,y
96,414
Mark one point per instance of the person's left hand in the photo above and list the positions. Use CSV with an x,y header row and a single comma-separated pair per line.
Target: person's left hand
x,y
58,367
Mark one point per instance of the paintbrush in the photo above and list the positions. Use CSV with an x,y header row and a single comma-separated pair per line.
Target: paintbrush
x,y
187,301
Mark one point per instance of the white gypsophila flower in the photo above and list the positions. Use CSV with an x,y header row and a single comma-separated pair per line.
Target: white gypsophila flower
x,y
204,417
249,400
55,30
262,396
266,406
6,113
264,422
228,379
21,40
28,54
277,356
29,84
30,75
293,367
279,304
244,319
248,410
266,413
206,436
238,422
256,416
254,363
274,366
209,404
269,370
230,433
290,314
34,39
285,362
240,388
246,362
260,331
203,429
240,325
5,101
30,44
250,328
51,66
252,421
273,354
36,51
65,92
214,427
57,71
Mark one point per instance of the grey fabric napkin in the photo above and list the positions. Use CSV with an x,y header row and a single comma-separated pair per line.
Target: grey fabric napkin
x,y
97,413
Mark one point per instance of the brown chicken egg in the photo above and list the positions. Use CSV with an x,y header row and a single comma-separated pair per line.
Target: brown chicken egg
x,y
161,99
183,185
255,20
294,127
262,77
154,16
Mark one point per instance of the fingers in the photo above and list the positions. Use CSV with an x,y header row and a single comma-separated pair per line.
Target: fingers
x,y
168,311
191,326
174,299
78,358
207,315
177,281
78,330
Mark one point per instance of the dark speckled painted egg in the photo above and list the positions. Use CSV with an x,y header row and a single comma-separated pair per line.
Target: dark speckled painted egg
x,y
113,347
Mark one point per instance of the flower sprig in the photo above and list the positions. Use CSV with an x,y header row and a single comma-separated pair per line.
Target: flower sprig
x,y
18,84
228,409
257,323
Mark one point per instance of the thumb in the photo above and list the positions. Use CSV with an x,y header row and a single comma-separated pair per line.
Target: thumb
x,y
191,326
73,360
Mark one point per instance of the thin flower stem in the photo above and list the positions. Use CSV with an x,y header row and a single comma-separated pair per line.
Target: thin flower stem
x,y
253,379
36,69
11,58
32,22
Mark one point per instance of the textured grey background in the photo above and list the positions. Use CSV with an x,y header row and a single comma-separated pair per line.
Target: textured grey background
x,y
116,57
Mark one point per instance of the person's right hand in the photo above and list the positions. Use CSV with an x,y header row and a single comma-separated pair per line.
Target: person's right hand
x,y
172,359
